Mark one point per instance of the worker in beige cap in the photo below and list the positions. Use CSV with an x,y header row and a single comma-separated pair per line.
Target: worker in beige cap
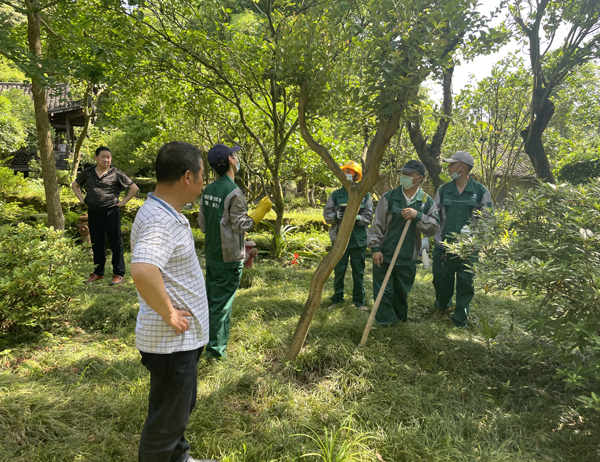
x,y
457,203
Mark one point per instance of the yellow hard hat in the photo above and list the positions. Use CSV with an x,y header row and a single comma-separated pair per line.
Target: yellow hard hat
x,y
354,166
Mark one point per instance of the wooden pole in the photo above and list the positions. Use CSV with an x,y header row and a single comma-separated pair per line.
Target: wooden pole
x,y
365,335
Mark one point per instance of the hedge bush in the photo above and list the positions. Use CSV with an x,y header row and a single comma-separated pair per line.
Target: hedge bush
x,y
40,271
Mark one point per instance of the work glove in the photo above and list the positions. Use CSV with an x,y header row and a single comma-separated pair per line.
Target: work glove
x,y
263,207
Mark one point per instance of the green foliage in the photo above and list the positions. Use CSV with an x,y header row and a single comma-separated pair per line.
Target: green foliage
x,y
488,121
9,182
17,122
14,212
126,138
280,242
9,72
199,238
573,134
580,172
344,444
489,330
547,250
40,270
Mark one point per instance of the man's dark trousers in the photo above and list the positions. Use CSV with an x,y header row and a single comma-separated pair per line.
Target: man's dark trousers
x,y
173,388
357,256
107,223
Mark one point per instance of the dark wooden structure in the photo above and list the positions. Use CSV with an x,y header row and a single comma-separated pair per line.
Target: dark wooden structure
x,y
64,113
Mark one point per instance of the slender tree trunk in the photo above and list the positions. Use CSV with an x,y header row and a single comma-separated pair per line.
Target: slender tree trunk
x,y
77,153
278,202
319,277
307,191
374,155
56,218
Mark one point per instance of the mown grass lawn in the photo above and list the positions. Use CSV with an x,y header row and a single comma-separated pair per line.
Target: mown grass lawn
x,y
418,391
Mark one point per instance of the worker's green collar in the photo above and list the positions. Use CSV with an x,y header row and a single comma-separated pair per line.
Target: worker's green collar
x,y
469,187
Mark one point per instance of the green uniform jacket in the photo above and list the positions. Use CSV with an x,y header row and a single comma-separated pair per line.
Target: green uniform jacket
x,y
334,209
223,218
387,228
456,210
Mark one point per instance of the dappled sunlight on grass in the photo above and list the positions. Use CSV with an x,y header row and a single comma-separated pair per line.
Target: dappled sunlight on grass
x,y
424,390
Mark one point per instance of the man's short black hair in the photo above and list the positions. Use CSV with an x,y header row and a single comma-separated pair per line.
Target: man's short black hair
x,y
102,148
176,158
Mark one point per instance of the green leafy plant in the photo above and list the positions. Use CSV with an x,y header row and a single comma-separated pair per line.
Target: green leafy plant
x,y
9,182
489,330
281,241
546,249
40,270
344,444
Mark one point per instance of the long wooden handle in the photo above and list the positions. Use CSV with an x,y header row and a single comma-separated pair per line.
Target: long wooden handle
x,y
365,335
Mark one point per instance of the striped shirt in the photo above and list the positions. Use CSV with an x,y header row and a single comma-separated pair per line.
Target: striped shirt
x,y
162,237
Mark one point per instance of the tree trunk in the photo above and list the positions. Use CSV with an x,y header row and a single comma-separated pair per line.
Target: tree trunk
x,y
279,206
431,154
319,277
534,147
428,156
77,153
307,191
375,151
56,218
543,110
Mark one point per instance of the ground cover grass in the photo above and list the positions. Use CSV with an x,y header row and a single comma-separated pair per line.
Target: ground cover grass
x,y
419,391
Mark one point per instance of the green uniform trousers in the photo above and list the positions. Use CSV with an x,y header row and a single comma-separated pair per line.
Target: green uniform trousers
x,y
393,305
357,257
447,268
221,286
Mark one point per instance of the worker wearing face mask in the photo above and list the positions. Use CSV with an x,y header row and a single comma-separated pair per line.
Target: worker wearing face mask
x,y
356,251
395,208
223,217
457,203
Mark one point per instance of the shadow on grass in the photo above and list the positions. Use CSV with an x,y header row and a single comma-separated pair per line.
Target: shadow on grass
x,y
434,390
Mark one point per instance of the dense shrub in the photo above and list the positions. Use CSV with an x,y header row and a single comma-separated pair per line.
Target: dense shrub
x,y
547,248
9,182
580,172
40,270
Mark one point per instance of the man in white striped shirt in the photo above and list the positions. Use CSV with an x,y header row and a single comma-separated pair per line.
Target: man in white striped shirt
x,y
172,324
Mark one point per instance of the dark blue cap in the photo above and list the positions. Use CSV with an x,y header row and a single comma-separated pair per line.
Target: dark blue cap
x,y
219,154
413,166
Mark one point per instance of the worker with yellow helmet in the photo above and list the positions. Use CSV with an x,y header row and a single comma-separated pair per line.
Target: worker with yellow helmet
x,y
356,251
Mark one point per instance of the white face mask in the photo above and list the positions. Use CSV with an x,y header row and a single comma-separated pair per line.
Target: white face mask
x,y
237,166
350,177
455,175
406,181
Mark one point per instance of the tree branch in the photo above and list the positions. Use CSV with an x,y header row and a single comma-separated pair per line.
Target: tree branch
x,y
322,151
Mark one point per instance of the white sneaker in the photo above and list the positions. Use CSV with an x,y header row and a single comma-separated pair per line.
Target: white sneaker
x,y
333,306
